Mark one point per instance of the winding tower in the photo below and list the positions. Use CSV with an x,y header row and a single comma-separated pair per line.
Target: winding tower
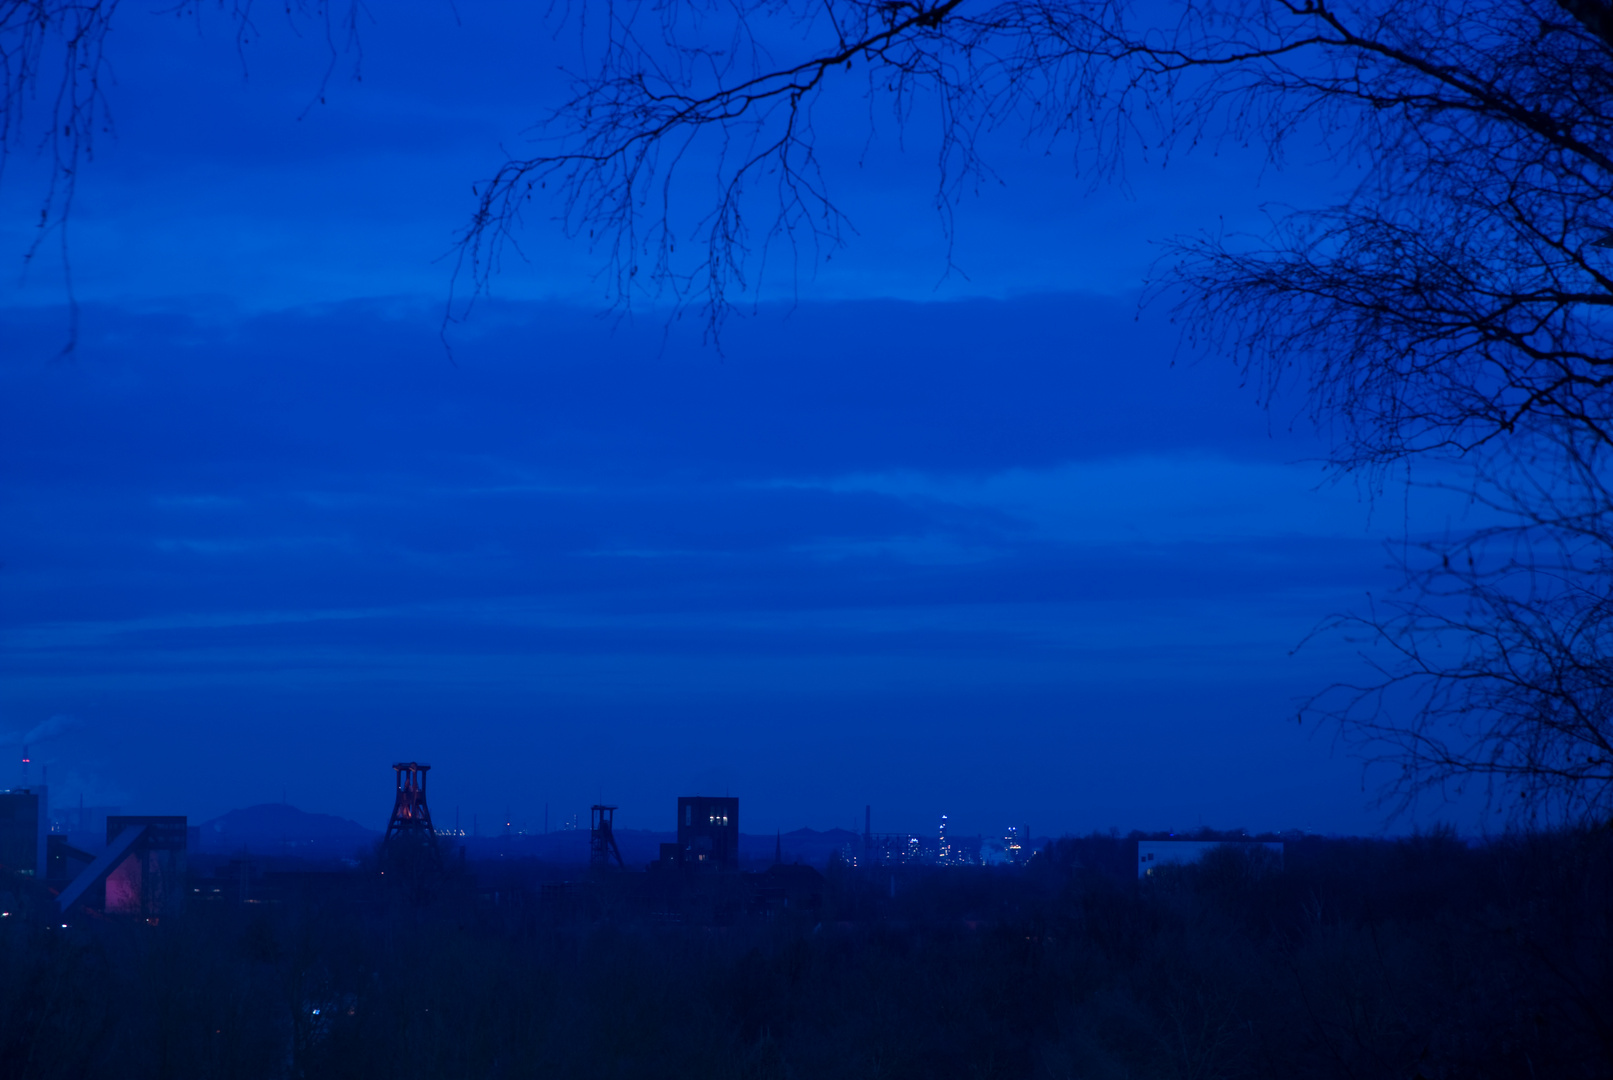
x,y
409,835
602,837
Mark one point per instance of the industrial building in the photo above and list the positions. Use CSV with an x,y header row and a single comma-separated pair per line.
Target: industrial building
x,y
141,871
708,833
24,824
886,849
64,861
697,877
150,880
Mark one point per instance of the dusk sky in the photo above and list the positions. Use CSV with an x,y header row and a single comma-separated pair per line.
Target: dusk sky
x,y
985,543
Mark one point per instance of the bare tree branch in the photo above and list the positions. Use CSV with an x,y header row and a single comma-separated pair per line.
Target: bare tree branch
x,y
1455,307
53,98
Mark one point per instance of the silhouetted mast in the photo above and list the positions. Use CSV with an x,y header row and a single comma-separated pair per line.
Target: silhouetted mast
x,y
601,838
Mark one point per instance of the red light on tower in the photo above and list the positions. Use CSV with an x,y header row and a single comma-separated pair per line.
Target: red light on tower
x,y
409,835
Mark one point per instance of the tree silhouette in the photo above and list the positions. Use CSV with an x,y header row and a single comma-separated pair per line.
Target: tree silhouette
x,y
54,73
1451,312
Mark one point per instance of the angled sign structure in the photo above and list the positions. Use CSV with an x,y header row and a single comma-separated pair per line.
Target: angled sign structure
x,y
103,865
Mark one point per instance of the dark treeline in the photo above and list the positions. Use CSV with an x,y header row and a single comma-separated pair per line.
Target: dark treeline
x,y
1358,958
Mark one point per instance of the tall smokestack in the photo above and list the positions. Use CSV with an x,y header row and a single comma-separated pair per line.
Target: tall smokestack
x,y
868,827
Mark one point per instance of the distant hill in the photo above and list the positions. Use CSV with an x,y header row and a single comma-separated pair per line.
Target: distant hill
x,y
281,829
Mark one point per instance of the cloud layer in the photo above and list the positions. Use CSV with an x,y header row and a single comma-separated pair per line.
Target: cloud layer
x,y
826,567
964,542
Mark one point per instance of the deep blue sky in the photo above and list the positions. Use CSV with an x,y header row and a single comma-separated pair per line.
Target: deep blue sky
x,y
967,544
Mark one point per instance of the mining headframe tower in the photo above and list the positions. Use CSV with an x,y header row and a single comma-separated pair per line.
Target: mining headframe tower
x,y
410,838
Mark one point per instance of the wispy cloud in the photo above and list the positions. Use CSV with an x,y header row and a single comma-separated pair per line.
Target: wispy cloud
x,y
55,726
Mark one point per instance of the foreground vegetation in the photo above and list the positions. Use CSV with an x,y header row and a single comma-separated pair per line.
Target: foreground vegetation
x,y
1358,959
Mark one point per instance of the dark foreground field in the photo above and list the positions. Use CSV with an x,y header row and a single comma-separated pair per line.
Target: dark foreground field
x,y
1360,959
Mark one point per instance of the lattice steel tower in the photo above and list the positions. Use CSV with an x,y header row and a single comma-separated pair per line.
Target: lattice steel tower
x,y
602,837
409,833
